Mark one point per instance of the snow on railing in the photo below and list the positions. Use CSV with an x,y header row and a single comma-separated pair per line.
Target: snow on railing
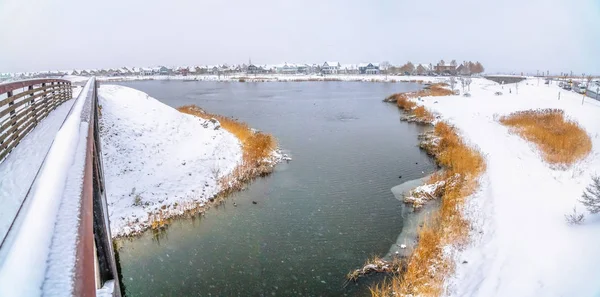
x,y
51,248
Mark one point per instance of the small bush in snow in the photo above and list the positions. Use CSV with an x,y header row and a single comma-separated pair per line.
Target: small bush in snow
x,y
574,218
137,201
591,195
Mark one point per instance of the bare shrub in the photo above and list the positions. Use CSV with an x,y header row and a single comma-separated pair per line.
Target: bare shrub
x,y
591,195
137,200
216,171
574,218
452,82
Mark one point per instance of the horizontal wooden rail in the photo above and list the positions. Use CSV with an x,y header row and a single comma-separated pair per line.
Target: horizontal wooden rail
x,y
24,104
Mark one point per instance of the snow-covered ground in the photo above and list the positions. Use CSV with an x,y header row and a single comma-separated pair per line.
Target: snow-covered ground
x,y
521,243
156,158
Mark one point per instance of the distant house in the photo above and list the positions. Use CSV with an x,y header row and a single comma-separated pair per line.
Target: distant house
x,y
423,69
445,68
253,69
348,69
286,68
303,68
463,70
225,69
146,71
201,69
125,71
330,68
368,68
162,70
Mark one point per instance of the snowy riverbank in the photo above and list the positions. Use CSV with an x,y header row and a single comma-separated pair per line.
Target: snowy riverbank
x,y
521,244
158,162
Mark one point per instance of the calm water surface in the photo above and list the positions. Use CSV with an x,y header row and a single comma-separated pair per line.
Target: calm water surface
x,y
317,217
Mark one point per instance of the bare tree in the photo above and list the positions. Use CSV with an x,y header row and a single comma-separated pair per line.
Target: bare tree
x,y
384,66
478,68
591,195
452,82
453,63
408,67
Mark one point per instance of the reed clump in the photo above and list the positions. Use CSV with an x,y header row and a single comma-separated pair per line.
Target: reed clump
x,y
561,140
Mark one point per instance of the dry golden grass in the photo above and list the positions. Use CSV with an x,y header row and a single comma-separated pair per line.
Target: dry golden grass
x,y
427,267
422,114
403,99
403,102
437,89
562,141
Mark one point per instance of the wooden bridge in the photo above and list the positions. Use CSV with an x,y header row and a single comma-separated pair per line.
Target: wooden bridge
x,y
55,238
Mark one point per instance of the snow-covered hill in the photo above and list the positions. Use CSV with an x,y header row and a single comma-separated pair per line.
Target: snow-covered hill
x,y
156,158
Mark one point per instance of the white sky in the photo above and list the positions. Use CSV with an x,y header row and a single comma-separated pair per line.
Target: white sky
x,y
505,35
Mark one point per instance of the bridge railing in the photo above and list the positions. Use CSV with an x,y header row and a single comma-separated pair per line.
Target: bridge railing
x,y
61,241
23,104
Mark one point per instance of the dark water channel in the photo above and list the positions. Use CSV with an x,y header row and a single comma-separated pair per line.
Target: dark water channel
x,y
317,217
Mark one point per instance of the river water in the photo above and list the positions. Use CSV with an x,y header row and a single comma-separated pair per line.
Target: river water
x,y
316,218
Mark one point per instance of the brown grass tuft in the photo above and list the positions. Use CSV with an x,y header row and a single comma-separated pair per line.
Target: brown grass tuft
x,y
561,140
423,115
427,267
437,89
403,102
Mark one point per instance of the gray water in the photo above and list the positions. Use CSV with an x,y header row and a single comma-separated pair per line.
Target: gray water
x,y
317,217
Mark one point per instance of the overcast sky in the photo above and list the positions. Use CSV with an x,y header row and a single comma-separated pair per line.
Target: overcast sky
x,y
505,35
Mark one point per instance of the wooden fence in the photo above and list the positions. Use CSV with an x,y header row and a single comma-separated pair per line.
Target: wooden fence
x,y
23,104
